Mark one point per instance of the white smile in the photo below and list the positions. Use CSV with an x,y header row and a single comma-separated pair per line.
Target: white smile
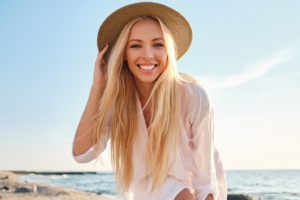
x,y
147,67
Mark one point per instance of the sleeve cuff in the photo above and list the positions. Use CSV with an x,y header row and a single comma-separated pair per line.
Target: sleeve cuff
x,y
86,157
204,192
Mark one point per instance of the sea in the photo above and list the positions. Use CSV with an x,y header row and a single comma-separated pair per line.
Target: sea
x,y
259,184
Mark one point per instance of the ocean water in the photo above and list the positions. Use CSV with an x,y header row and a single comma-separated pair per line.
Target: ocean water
x,y
264,184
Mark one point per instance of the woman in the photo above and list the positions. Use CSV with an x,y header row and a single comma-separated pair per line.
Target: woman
x,y
159,121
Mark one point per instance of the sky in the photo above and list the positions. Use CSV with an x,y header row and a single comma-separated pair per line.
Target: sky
x,y
246,54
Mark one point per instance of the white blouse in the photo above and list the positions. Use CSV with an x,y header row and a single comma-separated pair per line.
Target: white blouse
x,y
197,167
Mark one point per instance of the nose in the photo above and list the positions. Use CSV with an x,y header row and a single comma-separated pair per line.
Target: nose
x,y
148,52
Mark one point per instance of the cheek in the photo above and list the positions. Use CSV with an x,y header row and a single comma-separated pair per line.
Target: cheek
x,y
130,55
130,58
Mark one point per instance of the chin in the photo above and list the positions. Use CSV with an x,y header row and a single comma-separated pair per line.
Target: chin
x,y
146,80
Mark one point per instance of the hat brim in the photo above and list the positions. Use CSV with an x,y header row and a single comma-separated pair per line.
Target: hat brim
x,y
110,29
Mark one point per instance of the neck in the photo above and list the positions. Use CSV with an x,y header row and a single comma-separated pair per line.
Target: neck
x,y
144,91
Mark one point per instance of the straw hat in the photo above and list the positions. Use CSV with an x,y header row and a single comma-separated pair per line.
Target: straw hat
x,y
112,26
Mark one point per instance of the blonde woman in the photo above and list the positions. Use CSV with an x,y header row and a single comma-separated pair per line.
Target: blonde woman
x,y
159,121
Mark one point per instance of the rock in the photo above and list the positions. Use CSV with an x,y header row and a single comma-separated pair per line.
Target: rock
x,y
23,190
4,188
11,188
240,197
52,191
4,177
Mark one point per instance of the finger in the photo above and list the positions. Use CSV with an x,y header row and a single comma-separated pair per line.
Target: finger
x,y
102,61
101,54
103,51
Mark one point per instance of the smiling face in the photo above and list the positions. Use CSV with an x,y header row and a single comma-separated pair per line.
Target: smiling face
x,y
145,52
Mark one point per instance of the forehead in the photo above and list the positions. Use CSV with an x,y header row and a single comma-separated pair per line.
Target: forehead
x,y
146,29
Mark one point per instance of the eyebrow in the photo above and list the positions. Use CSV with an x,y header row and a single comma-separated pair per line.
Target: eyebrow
x,y
138,40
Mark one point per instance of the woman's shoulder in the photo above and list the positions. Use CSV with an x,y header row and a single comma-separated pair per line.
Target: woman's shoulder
x,y
195,99
193,90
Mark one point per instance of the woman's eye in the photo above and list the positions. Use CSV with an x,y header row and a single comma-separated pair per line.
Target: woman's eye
x,y
135,46
158,45
140,46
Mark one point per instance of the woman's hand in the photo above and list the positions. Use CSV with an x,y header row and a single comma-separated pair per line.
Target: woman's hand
x,y
100,69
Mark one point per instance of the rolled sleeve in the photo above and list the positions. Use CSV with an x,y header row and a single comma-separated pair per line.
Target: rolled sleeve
x,y
88,156
208,170
94,151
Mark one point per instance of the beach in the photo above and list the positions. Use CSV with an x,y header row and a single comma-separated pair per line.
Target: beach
x,y
12,188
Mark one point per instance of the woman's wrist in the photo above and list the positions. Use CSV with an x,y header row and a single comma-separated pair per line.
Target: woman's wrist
x,y
98,86
96,91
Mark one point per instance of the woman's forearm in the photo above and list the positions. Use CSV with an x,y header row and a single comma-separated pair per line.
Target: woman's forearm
x,y
83,137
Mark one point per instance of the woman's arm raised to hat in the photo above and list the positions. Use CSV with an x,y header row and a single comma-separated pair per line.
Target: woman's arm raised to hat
x,y
100,69
83,137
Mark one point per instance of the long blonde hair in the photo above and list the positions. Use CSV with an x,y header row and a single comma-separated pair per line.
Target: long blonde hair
x,y
120,99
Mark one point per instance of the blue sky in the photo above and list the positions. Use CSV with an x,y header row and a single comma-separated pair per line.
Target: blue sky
x,y
247,54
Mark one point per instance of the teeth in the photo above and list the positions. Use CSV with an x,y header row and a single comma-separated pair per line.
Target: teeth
x,y
147,67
